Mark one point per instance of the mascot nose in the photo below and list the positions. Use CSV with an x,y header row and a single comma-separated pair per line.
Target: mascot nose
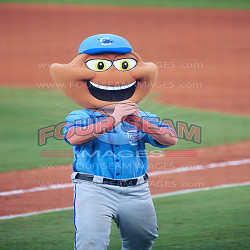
x,y
112,76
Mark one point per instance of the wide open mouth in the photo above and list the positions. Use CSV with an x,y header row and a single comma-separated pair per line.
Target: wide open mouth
x,y
111,93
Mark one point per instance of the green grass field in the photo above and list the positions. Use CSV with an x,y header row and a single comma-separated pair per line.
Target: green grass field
x,y
215,219
24,111
239,4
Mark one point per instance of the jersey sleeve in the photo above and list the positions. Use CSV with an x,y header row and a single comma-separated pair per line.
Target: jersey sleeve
x,y
149,139
77,118
152,118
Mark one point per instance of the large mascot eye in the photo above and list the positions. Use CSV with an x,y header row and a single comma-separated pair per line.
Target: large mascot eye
x,y
125,63
98,64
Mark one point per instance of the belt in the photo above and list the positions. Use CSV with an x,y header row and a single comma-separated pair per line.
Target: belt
x,y
103,180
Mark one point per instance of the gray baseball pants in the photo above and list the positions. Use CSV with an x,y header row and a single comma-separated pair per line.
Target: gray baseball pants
x,y
130,207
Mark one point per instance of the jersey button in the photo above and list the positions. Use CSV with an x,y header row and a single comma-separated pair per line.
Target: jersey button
x,y
117,160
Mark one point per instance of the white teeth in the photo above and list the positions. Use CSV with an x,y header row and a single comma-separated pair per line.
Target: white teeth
x,y
112,87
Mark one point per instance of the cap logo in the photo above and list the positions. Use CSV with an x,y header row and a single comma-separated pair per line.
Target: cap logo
x,y
106,41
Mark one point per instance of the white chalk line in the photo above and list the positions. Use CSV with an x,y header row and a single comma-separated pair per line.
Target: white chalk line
x,y
153,196
37,189
34,213
156,173
187,191
202,167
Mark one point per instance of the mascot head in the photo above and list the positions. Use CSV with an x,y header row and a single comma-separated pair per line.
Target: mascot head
x,y
105,72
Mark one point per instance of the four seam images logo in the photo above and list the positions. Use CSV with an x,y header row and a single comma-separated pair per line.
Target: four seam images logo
x,y
183,130
125,153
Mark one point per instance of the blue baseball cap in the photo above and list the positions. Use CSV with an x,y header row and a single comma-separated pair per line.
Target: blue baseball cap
x,y
104,43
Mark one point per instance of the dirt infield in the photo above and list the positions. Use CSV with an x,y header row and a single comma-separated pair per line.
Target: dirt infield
x,y
202,54
58,197
202,57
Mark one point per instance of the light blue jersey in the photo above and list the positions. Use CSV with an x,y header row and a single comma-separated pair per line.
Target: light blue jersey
x,y
117,154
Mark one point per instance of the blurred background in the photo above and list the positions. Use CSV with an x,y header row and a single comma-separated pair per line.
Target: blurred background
x,y
202,50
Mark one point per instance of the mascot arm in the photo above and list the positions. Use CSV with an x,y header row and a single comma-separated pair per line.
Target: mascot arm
x,y
79,135
163,135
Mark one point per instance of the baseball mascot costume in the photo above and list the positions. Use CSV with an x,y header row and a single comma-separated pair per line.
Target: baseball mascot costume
x,y
108,79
